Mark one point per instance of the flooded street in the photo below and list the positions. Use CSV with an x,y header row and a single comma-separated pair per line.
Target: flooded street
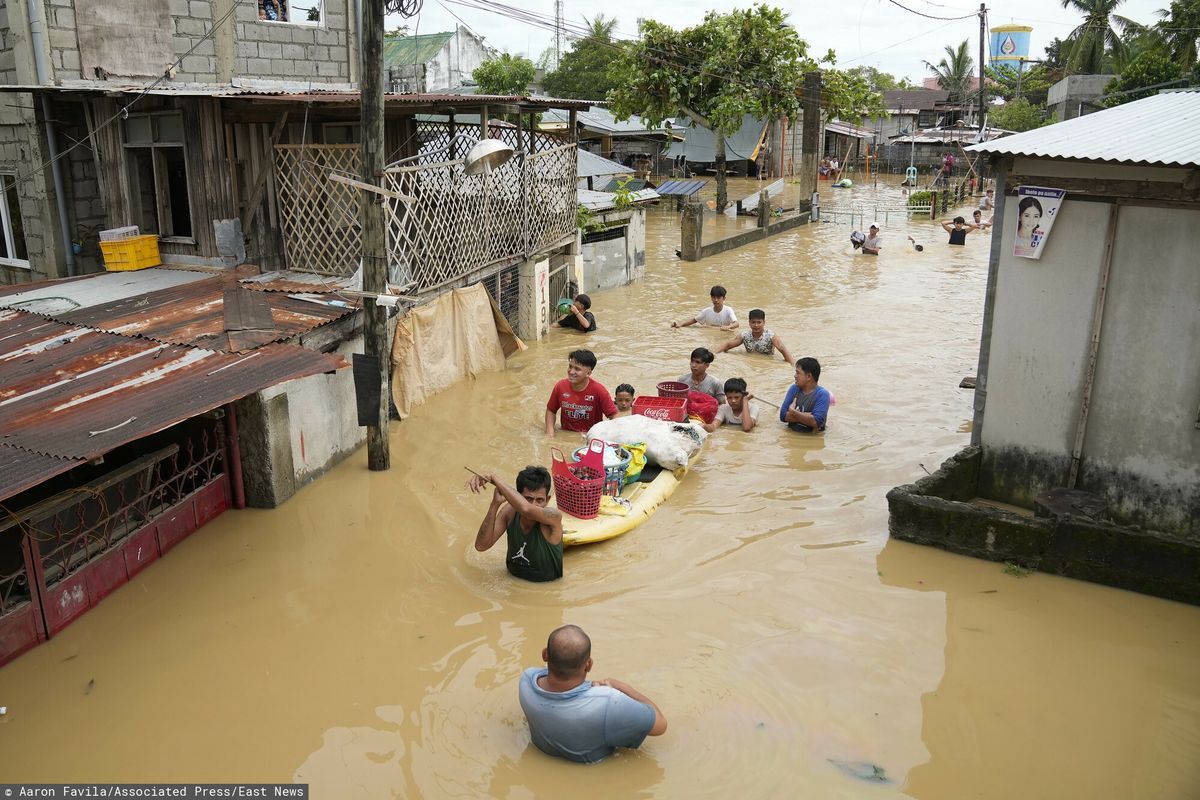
x,y
354,640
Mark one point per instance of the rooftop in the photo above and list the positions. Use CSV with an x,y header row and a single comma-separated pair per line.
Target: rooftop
x,y
1161,131
91,363
914,99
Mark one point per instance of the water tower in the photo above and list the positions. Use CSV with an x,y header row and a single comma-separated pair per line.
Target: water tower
x,y
1010,45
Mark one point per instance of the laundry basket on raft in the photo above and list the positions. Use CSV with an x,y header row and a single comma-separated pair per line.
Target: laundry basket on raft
x,y
673,389
616,462
579,486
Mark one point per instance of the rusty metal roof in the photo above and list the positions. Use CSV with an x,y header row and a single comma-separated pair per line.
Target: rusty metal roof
x,y
69,394
183,308
291,281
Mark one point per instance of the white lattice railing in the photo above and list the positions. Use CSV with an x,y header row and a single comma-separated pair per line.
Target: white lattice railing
x,y
458,224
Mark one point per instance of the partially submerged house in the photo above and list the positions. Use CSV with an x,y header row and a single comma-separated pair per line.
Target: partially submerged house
x,y
1087,398
629,141
231,139
433,62
120,398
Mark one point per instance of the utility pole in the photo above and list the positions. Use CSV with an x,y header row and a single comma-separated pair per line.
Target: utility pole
x,y
982,85
374,234
558,33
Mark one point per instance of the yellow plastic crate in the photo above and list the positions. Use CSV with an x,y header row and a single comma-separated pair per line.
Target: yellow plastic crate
x,y
135,252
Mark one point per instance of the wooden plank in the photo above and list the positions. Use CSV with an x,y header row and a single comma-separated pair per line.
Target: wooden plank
x,y
260,176
367,187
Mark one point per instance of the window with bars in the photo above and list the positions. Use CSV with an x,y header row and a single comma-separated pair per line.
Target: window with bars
x,y
13,251
158,177
505,289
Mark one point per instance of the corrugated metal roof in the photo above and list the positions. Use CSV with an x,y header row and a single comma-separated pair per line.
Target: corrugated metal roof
x,y
290,281
72,394
1162,130
183,308
847,129
21,469
603,201
681,187
70,294
601,120
594,166
333,95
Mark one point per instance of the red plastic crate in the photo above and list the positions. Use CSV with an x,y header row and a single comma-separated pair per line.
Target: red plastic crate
x,y
672,409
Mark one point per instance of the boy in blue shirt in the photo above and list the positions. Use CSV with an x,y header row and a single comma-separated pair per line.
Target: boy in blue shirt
x,y
806,405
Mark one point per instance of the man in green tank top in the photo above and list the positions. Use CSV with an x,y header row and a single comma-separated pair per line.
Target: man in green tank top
x,y
535,534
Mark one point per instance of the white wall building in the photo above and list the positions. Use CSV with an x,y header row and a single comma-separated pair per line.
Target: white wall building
x,y
1090,357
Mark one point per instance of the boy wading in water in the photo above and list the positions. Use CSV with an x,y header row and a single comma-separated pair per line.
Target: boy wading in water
x,y
719,316
583,401
535,548
758,339
806,405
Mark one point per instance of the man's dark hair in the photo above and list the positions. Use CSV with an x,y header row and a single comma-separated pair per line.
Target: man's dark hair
x,y
567,650
624,387
703,354
534,477
959,221
757,313
735,385
716,291
584,358
584,301
811,366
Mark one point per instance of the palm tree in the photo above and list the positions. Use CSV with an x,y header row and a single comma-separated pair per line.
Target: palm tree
x,y
1180,27
954,75
1098,36
601,28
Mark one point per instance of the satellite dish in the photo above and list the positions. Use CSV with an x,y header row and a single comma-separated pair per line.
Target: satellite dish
x,y
486,155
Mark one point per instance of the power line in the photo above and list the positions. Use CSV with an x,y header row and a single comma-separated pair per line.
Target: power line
x,y
931,16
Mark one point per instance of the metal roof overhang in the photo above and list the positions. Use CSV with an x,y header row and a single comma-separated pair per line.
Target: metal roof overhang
x,y
69,394
409,102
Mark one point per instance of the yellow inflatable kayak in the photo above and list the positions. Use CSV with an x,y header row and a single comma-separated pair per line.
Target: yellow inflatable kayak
x,y
644,499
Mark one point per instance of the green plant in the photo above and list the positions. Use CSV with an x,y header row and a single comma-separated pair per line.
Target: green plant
x,y
1016,570
586,222
623,196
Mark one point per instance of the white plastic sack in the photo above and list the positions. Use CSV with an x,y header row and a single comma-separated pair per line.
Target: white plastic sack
x,y
668,444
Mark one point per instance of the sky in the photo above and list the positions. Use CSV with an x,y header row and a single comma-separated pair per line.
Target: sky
x,y
875,33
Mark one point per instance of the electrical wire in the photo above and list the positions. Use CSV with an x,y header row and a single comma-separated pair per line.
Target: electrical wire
x,y
932,16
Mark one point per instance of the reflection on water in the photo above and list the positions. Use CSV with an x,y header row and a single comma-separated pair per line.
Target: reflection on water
x,y
354,640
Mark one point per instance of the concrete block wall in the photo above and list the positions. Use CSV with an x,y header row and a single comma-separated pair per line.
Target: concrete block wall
x,y
303,51
20,149
317,52
8,55
85,205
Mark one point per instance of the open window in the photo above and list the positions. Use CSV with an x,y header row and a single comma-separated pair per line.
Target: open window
x,y
299,12
13,251
927,119
158,176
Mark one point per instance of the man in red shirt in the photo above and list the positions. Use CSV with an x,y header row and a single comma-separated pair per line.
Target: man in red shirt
x,y
583,401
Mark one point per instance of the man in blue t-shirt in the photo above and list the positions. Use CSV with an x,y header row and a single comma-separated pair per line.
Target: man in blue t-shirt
x,y
806,405
577,719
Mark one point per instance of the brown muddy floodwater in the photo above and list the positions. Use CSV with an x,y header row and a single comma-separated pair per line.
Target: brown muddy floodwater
x,y
354,640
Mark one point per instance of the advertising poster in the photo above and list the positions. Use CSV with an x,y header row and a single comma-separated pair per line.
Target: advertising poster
x,y
1037,206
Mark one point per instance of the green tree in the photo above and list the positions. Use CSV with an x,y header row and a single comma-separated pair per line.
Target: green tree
x,y
1150,69
583,70
879,81
1180,30
730,65
1033,82
1097,37
955,71
506,75
1019,115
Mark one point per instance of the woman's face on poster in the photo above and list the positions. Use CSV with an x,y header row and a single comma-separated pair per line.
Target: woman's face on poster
x,y
1030,218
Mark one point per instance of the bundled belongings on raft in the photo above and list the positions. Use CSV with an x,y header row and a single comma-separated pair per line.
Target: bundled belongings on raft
x,y
668,444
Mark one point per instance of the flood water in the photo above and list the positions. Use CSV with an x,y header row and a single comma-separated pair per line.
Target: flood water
x,y
354,640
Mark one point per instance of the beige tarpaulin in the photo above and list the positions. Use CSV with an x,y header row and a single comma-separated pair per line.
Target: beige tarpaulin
x,y
458,335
